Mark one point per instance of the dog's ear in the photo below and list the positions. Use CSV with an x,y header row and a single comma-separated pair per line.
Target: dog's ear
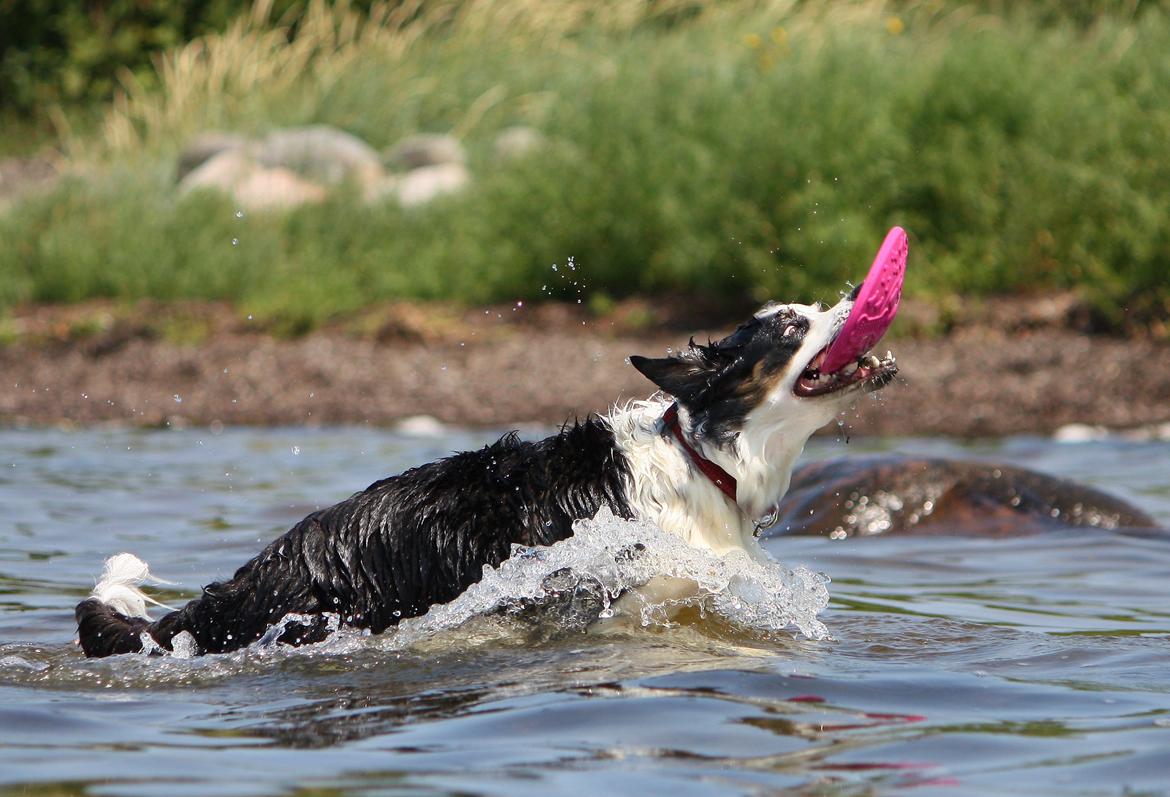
x,y
682,378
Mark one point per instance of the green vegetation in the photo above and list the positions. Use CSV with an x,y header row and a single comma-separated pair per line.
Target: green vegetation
x,y
727,149
73,51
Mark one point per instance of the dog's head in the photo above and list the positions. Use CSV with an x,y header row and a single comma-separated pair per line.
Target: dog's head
x,y
752,399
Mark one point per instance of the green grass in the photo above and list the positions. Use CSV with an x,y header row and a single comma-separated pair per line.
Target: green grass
x,y
733,152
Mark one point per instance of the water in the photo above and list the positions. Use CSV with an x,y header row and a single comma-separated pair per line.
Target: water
x,y
1035,665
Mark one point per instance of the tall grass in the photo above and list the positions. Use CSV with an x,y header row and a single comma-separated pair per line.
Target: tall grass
x,y
737,149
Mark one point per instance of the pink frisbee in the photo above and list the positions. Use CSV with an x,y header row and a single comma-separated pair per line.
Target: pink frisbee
x,y
875,307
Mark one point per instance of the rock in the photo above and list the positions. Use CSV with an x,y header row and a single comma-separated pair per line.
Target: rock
x,y
269,189
421,426
516,142
251,185
223,172
420,186
887,493
206,146
428,149
321,153
381,190
1079,433
19,176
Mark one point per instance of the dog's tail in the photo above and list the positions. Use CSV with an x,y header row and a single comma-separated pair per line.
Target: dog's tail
x,y
113,619
227,616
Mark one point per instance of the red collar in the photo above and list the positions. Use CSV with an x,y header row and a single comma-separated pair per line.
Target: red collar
x,y
721,478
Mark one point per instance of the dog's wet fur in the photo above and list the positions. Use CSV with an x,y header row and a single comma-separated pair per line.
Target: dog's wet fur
x,y
422,537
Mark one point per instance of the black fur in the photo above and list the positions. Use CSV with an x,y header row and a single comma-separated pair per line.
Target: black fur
x,y
396,548
721,382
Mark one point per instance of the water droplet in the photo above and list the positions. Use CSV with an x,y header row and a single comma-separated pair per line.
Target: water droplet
x,y
178,399
296,451
239,214
235,242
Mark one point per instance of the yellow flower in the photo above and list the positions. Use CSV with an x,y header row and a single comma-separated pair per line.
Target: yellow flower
x,y
895,25
779,35
753,41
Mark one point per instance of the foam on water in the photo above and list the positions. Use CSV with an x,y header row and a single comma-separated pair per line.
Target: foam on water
x,y
596,574
607,557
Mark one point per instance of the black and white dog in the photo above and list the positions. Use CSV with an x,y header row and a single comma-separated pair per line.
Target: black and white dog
x,y
704,463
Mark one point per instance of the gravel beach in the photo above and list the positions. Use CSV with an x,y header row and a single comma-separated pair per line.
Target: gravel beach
x,y
205,364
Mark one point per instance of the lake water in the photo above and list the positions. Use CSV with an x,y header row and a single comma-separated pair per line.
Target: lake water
x,y
1034,665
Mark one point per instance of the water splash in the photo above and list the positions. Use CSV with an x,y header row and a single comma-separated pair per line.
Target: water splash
x,y
598,572
606,571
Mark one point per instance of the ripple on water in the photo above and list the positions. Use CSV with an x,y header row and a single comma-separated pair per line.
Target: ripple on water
x,y
964,666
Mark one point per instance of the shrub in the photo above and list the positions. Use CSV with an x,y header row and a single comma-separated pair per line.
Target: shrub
x,y
727,149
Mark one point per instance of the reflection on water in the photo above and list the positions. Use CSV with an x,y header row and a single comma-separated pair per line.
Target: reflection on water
x,y
964,665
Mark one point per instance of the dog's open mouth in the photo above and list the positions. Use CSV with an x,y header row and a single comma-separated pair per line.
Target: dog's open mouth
x,y
846,361
867,372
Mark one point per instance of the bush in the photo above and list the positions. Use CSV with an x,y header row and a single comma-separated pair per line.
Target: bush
x,y
735,152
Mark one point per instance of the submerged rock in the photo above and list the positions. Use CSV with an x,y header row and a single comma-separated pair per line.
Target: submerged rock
x,y
864,496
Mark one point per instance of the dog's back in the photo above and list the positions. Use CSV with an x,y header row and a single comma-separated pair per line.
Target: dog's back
x,y
390,551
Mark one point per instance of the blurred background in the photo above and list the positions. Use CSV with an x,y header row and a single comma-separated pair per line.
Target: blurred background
x,y
305,163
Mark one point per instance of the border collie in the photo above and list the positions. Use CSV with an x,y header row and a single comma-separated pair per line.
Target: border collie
x,y
706,459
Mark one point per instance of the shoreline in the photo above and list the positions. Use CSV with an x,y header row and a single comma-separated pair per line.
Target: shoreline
x,y
154,365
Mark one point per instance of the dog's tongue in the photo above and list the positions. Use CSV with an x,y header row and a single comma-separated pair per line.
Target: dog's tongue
x,y
876,304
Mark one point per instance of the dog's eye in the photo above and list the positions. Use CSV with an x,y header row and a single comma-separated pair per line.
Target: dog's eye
x,y
791,330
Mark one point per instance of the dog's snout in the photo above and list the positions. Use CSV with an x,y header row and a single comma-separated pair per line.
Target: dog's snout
x,y
856,290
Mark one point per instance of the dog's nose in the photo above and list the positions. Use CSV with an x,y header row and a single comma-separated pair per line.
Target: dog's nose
x,y
856,290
